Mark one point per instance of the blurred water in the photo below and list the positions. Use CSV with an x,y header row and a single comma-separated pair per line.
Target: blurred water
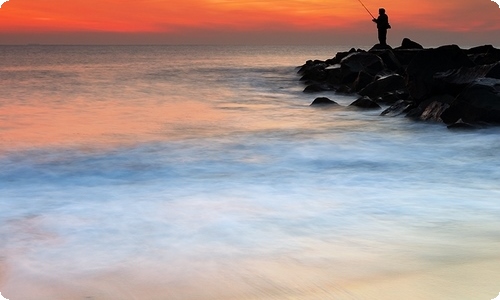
x,y
204,167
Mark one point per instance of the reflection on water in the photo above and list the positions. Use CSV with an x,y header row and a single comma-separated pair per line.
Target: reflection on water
x,y
102,124
183,180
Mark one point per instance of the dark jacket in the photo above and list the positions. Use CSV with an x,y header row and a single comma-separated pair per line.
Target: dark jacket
x,y
382,22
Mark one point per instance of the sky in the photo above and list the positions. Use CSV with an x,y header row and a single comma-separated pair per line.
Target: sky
x,y
318,22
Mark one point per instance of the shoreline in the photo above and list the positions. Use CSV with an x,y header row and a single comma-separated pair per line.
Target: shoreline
x,y
479,279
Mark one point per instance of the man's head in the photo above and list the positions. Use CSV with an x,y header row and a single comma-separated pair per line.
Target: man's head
x,y
381,10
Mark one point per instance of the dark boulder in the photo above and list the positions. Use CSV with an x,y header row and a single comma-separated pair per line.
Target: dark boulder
x,y
398,108
333,74
313,70
392,97
494,72
431,108
406,43
357,62
389,59
460,125
319,87
323,101
454,81
362,81
478,103
365,102
380,47
384,85
426,63
405,56
433,111
339,56
484,55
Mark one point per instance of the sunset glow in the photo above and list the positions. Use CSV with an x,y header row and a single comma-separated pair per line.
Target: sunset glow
x,y
192,19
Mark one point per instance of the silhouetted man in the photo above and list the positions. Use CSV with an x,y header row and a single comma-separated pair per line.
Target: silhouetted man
x,y
382,26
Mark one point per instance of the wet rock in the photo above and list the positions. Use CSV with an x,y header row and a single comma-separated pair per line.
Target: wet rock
x,y
313,70
398,108
454,81
494,72
392,97
323,101
339,56
426,63
362,81
333,74
484,55
319,87
357,62
460,125
365,102
406,43
432,108
389,59
479,102
383,85
380,47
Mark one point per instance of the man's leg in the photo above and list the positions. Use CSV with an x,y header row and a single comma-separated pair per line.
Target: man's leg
x,y
382,36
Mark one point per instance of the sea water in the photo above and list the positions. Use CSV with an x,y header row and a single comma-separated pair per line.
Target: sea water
x,y
201,172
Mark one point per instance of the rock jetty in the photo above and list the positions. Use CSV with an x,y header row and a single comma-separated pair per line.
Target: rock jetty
x,y
455,86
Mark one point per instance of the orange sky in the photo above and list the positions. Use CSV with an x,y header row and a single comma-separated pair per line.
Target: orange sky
x,y
244,21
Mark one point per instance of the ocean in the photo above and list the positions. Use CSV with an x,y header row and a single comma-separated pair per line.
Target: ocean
x,y
201,172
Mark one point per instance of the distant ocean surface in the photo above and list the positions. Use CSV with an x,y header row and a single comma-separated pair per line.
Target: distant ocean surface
x,y
201,172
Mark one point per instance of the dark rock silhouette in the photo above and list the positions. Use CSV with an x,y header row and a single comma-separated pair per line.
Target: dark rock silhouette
x,y
385,84
323,101
445,84
478,102
365,102
409,44
426,63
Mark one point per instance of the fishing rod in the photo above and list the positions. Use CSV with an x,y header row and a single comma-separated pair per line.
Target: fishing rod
x,y
366,9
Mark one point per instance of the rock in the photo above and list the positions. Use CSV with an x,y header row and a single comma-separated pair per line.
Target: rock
x,y
398,108
389,59
433,111
445,84
319,87
392,97
314,71
409,44
362,81
365,102
380,47
494,72
333,74
479,102
384,85
432,108
405,56
323,101
484,55
357,62
339,56
420,72
454,81
460,125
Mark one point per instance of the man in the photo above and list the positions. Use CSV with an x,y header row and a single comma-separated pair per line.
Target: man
x,y
382,26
